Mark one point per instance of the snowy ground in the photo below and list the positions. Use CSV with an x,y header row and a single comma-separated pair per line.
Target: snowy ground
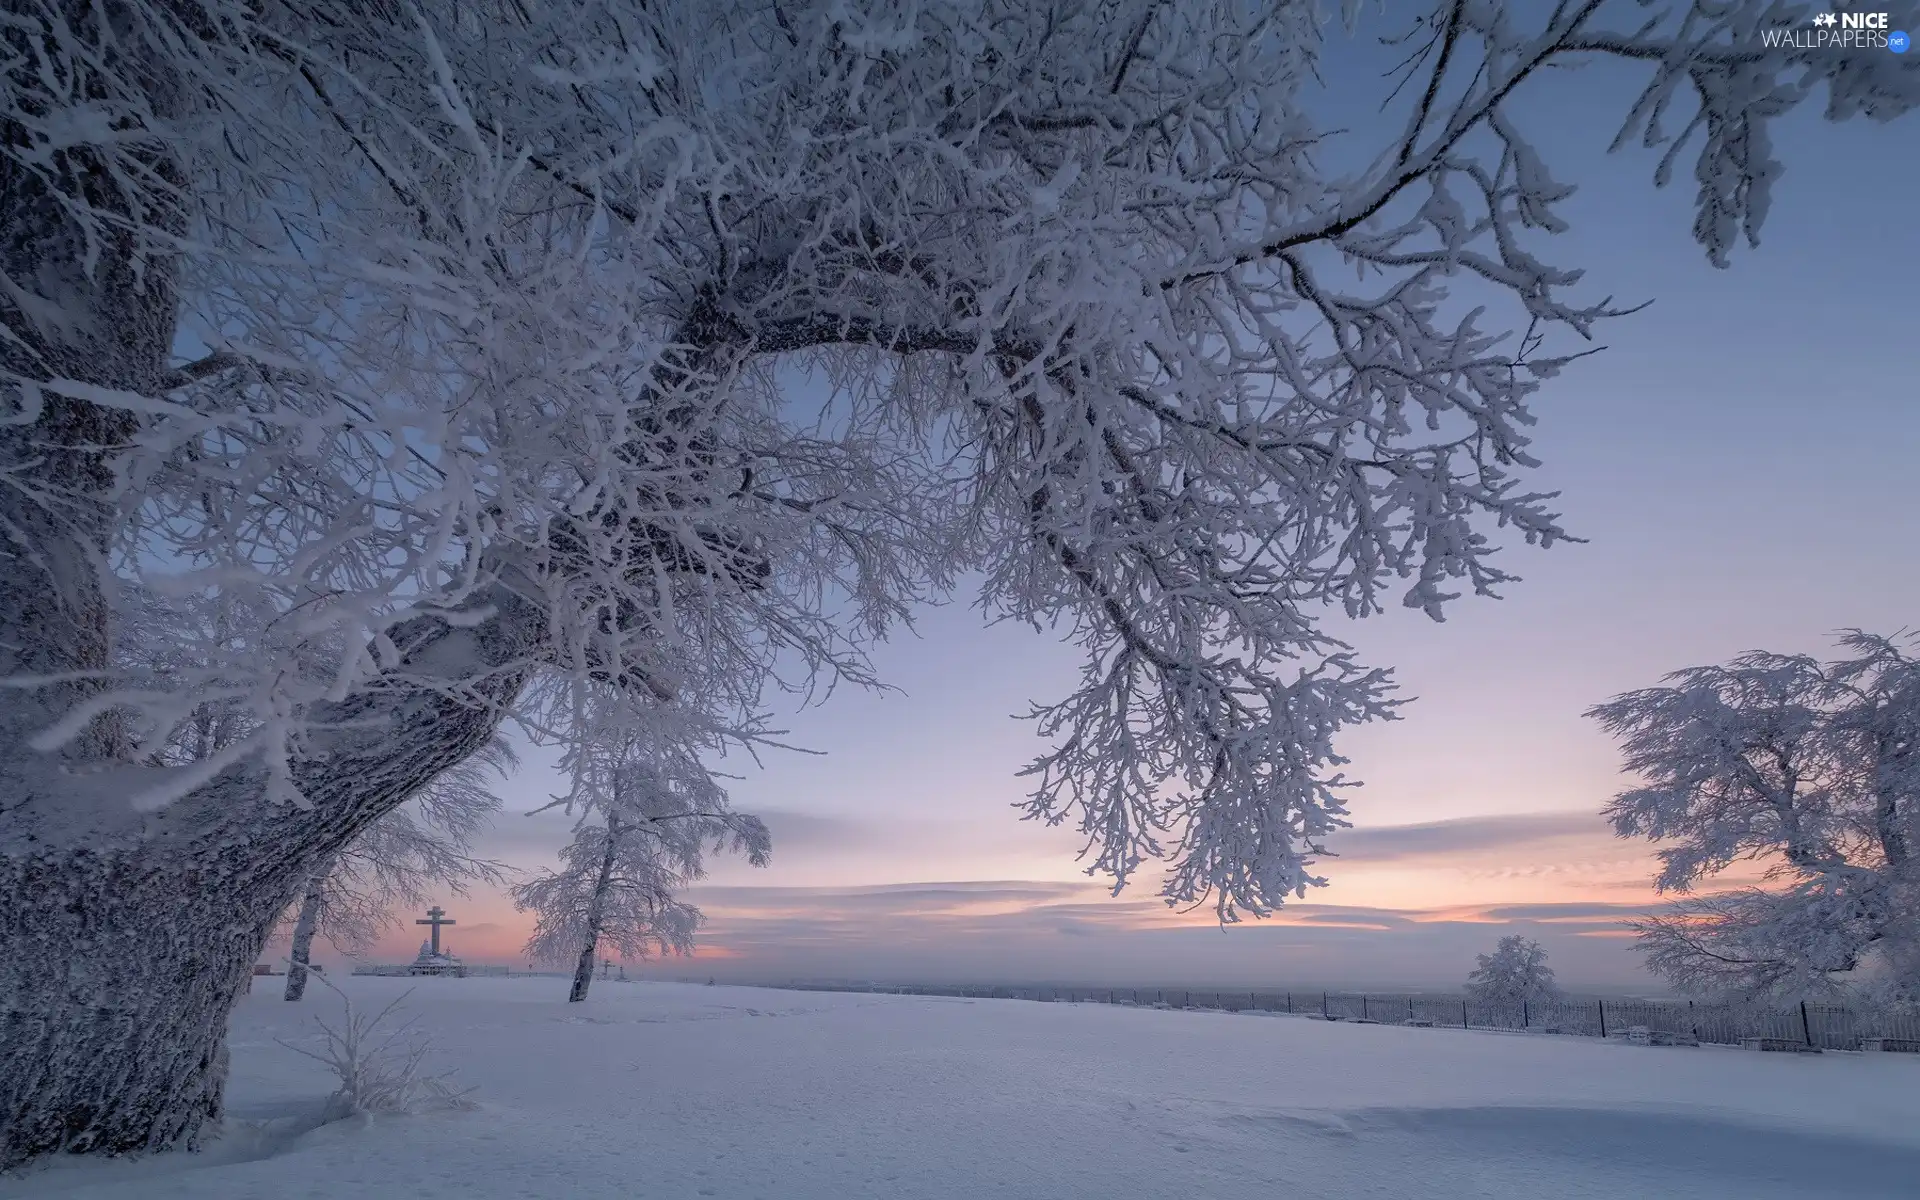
x,y
669,1090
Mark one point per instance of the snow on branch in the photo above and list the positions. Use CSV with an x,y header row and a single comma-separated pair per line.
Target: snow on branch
x,y
553,359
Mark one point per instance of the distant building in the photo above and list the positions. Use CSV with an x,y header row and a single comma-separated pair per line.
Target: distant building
x,y
432,962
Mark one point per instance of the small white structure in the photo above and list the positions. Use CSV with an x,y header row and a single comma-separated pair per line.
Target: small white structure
x,y
432,962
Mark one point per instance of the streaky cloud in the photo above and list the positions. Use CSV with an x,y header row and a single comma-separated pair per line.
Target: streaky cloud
x,y
1389,843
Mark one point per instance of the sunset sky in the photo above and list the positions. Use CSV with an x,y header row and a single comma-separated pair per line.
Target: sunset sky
x,y
1741,460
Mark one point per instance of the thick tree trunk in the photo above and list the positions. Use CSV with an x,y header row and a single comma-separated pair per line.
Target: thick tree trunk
x,y
97,307
120,969
121,957
301,952
596,914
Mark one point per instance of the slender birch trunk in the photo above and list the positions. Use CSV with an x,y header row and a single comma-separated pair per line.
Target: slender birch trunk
x,y
301,952
596,914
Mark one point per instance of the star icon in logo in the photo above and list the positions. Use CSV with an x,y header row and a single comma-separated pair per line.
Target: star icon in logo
x,y
1826,18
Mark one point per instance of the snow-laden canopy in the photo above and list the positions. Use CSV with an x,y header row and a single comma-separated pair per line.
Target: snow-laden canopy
x,y
446,307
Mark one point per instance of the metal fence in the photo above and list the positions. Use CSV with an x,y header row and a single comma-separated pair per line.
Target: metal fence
x,y
402,969
1821,1026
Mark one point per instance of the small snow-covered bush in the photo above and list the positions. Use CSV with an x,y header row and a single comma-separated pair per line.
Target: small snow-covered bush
x,y
381,1067
1514,974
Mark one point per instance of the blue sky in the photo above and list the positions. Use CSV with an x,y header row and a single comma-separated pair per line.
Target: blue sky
x,y
1741,461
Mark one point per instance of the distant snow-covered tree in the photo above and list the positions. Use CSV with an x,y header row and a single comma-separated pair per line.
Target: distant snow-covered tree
x,y
1515,973
650,818
1809,770
460,336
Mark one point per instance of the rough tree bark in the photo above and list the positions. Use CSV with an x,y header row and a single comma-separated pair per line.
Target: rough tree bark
x,y
122,960
300,953
125,939
596,914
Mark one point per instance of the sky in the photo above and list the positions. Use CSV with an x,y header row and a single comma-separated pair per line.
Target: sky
x,y
1740,461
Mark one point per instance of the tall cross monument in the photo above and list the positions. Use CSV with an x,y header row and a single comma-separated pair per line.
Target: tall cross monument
x,y
437,917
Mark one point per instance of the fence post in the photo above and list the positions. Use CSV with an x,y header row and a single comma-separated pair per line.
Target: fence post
x,y
1523,1012
1463,1014
1289,1002
1806,1030
1364,1014
1693,1022
1323,1006
1603,1018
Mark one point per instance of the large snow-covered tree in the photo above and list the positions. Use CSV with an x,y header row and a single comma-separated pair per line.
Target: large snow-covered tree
x,y
649,817
1515,974
1808,769
470,339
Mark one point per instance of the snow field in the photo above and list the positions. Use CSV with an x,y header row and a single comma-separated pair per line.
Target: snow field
x,y
670,1090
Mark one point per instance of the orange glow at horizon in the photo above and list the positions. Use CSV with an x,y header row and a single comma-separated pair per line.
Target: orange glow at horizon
x,y
1369,895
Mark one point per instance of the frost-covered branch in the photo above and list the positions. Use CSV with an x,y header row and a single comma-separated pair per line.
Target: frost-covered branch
x,y
478,302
